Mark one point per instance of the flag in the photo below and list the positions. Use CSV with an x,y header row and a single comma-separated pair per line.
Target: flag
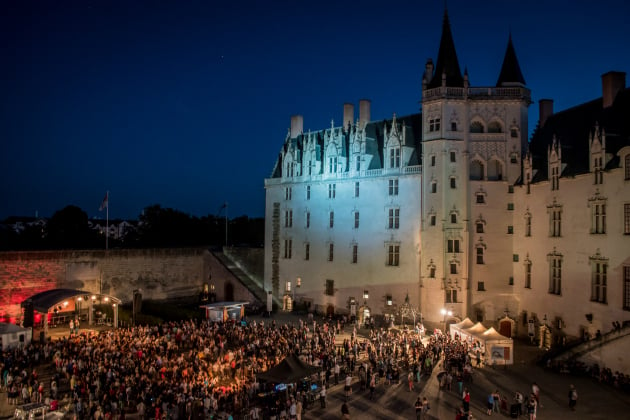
x,y
104,204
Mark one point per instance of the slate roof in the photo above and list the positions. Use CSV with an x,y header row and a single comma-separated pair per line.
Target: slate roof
x,y
573,128
447,60
510,70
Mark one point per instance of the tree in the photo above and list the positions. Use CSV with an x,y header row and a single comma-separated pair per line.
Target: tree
x,y
68,229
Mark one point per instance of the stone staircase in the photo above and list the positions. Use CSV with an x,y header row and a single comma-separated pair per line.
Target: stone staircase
x,y
579,350
248,280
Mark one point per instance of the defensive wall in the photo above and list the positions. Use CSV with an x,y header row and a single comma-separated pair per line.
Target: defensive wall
x,y
163,273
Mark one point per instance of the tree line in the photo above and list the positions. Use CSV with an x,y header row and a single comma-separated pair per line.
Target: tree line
x,y
156,227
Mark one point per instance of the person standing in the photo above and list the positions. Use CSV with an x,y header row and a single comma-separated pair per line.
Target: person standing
x,y
298,409
410,380
348,385
71,327
497,401
372,385
345,412
466,401
532,407
572,397
418,407
536,392
322,396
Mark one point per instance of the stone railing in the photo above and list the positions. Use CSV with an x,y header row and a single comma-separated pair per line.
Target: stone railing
x,y
371,173
476,93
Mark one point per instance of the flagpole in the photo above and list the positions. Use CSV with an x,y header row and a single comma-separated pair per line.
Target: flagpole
x,y
107,224
226,222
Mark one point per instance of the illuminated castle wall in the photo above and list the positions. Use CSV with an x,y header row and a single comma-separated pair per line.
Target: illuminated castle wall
x,y
456,209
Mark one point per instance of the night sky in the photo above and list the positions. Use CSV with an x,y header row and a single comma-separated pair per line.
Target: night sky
x,y
186,104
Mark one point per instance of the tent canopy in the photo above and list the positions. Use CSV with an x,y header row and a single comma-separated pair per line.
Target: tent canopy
x,y
493,335
291,369
44,301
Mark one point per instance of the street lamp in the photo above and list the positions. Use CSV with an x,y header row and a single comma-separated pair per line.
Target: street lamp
x,y
444,313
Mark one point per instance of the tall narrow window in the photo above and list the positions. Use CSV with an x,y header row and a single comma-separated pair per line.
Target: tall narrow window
x,y
627,167
434,187
450,295
452,246
555,274
331,222
626,219
453,268
555,220
432,160
394,157
355,253
358,163
356,189
453,217
479,255
599,280
598,217
332,164
528,274
331,252
393,255
479,227
308,192
393,219
598,170
453,183
432,219
528,224
288,218
308,220
393,187
288,192
453,159
356,220
307,251
330,287
288,245
626,287
332,190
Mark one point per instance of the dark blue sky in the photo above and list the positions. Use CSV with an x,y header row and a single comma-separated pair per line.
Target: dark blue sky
x,y
187,103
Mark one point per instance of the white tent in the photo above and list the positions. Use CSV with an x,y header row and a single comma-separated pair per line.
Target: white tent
x,y
459,327
475,332
499,348
14,336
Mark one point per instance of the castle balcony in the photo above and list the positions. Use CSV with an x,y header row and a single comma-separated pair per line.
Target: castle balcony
x,y
371,173
477,93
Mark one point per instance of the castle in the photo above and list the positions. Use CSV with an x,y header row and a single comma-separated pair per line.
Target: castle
x,y
453,211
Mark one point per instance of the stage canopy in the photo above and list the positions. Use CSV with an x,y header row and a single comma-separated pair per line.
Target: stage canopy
x,y
290,370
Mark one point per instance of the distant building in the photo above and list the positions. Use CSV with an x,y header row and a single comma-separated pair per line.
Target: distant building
x,y
454,208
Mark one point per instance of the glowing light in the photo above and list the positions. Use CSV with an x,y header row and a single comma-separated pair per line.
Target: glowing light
x,y
65,303
93,297
106,299
79,299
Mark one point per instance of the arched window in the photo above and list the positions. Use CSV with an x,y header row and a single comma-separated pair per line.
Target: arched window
x,y
495,170
476,127
476,170
495,127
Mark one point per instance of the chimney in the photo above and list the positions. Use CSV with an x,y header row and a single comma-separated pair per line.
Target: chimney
x,y
364,113
297,125
428,71
612,83
348,115
545,110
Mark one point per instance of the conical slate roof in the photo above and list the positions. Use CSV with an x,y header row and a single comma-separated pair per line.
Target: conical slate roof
x,y
447,60
510,70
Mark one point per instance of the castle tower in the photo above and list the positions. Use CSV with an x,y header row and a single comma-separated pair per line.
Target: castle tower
x,y
472,142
